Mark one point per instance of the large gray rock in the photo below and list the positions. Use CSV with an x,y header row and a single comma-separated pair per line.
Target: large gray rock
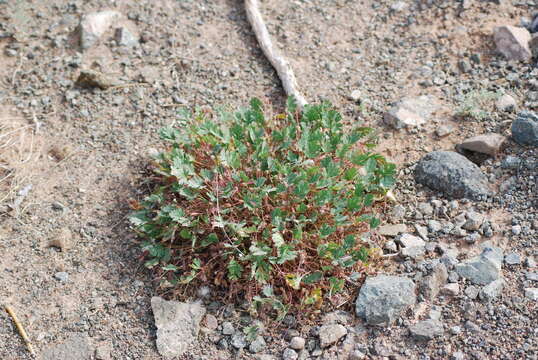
x,y
382,298
483,269
513,42
411,111
75,347
452,174
177,325
525,128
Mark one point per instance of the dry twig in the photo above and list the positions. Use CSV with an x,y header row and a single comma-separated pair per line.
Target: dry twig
x,y
21,329
281,65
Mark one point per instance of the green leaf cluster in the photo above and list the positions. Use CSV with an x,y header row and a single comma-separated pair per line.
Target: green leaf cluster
x,y
276,203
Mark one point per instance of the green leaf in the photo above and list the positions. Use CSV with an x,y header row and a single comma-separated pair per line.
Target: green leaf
x,y
170,267
313,277
235,270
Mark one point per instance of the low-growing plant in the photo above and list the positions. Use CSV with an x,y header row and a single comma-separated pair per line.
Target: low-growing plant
x,y
477,104
270,209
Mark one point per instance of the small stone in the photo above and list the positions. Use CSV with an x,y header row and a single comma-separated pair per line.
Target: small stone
x,y
391,246
227,328
238,340
124,37
464,66
392,230
357,355
62,240
434,226
474,221
426,330
411,111
398,212
289,354
530,262
258,345
531,293
516,229
511,162
512,259
453,276
525,128
452,174
355,95
506,103
297,343
382,298
492,290
412,246
452,289
513,42
177,325
471,292
455,330
102,352
430,285
92,79
210,322
444,130
458,355
94,25
482,269
488,144
399,6
75,347
330,334
61,276
422,231
472,327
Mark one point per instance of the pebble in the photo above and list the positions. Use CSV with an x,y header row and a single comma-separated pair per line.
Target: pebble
x,y
297,343
516,229
289,354
525,128
94,25
426,330
257,345
471,292
488,144
506,103
392,230
492,290
61,276
227,328
531,293
452,289
512,259
330,334
411,111
238,340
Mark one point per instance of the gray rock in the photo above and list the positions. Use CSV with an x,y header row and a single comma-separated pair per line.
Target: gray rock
x,y
512,259
431,285
531,276
474,221
458,355
434,226
177,325
444,130
452,289
452,174
382,298
492,290
525,128
75,347
124,37
412,246
257,345
506,103
289,354
357,355
511,162
471,292
489,144
330,334
297,343
422,231
392,230
238,340
513,42
483,269
227,328
531,293
411,111
94,25
455,330
61,276
426,330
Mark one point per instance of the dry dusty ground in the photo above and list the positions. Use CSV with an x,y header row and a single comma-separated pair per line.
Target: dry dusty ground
x,y
76,155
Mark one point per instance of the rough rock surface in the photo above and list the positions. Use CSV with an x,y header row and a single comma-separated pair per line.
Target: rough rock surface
x,y
177,325
382,298
483,269
94,25
489,144
452,174
330,334
513,42
76,347
411,111
525,128
426,330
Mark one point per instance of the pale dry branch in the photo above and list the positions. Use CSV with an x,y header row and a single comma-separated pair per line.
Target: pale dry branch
x,y
20,328
281,65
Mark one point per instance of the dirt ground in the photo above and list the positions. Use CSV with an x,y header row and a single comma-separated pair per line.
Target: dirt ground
x,y
70,158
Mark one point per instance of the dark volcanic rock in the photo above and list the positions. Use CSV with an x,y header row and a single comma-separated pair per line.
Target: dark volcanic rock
x,y
452,174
